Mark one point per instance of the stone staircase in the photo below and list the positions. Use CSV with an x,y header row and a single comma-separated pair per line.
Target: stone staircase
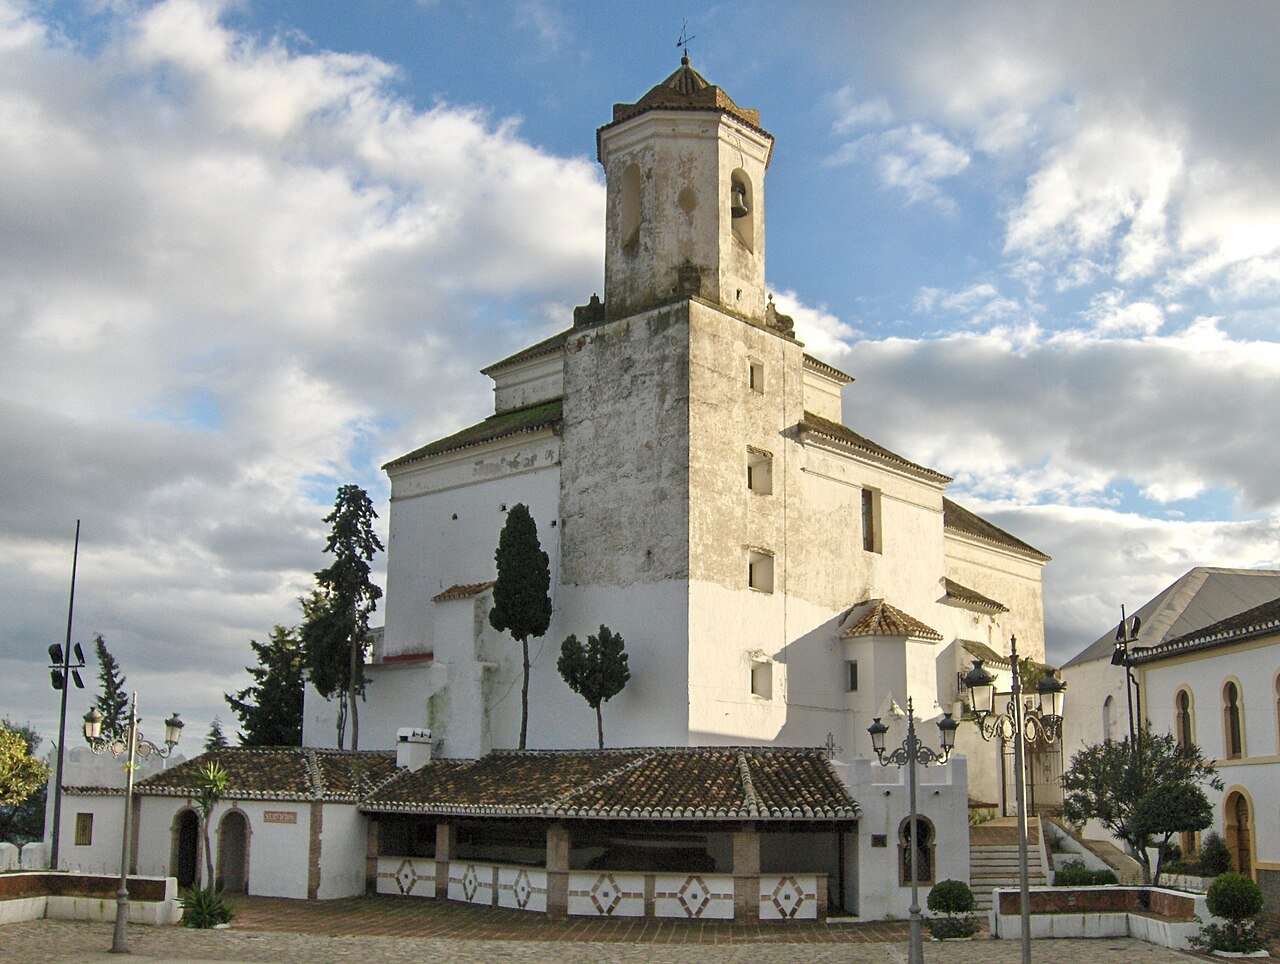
x,y
993,858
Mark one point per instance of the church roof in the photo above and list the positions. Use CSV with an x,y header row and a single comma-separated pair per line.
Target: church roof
x,y
548,346
1200,597
1263,620
834,431
882,619
643,783
280,773
959,519
503,424
971,597
686,89
462,591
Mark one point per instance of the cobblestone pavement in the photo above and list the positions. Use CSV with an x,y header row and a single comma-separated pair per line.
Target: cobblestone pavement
x,y
49,941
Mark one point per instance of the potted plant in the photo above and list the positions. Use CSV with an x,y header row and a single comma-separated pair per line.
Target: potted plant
x,y
1238,900
954,901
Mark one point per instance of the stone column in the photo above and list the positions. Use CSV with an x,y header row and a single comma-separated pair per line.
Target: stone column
x,y
558,870
446,844
746,875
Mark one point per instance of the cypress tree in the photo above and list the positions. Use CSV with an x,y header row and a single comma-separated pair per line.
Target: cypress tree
x,y
521,596
216,740
270,709
113,701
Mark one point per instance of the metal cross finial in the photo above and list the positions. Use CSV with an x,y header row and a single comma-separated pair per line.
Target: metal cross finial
x,y
683,43
832,746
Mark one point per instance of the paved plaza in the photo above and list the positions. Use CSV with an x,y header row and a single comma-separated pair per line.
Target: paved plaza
x,y
385,929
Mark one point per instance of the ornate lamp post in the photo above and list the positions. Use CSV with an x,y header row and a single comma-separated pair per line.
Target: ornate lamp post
x,y
1126,643
911,752
129,744
1018,726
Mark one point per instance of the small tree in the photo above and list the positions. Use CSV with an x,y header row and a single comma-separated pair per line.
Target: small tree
x,y
216,740
21,774
521,595
347,598
1167,809
24,821
955,901
113,701
1214,857
1238,900
270,710
597,672
211,782
1109,783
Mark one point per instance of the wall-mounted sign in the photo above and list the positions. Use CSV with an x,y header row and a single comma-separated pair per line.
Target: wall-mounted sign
x,y
280,816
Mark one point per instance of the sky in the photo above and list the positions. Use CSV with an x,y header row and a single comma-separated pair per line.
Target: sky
x,y
249,251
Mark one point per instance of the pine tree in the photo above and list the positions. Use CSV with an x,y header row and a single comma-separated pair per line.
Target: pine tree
x,y
113,701
335,630
597,672
521,596
216,740
270,710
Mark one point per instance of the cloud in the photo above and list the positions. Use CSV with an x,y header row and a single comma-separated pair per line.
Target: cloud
x,y
852,113
909,159
978,303
824,335
242,274
1110,313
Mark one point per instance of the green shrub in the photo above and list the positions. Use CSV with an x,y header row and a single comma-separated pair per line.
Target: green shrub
x,y
1214,857
1076,874
204,908
954,900
1238,900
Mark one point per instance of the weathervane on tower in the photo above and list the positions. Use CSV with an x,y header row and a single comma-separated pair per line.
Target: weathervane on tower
x,y
683,43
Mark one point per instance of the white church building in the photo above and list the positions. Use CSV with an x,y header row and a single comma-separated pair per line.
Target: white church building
x,y
779,579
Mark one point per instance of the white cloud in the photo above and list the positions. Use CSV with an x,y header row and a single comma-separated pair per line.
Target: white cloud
x,y
240,275
909,159
824,335
978,303
852,113
1110,313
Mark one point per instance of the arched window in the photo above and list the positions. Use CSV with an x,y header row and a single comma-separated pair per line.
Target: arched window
x,y
742,209
1232,724
1182,718
924,851
1108,713
1238,824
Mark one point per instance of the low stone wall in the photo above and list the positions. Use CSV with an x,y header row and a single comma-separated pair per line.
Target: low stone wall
x,y
592,893
1153,914
38,894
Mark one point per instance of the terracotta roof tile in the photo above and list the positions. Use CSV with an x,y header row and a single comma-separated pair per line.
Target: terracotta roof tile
x,y
1263,620
679,783
462,591
972,598
280,773
548,346
881,619
959,519
825,428
504,424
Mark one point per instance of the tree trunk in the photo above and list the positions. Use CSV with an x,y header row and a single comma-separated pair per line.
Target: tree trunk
x,y
208,851
524,695
599,726
342,718
352,683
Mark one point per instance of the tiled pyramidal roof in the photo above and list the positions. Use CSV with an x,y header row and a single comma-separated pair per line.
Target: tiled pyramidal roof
x,y
881,619
280,773
972,598
650,783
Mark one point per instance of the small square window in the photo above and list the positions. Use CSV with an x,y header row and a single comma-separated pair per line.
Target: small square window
x,y
871,540
762,679
851,679
760,571
759,472
84,829
755,376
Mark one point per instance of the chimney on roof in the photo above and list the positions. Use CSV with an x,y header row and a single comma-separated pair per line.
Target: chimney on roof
x,y
413,748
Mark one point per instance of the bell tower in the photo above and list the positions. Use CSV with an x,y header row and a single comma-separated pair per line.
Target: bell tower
x,y
684,172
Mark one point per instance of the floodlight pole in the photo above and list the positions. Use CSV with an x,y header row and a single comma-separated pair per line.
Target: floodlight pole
x,y
62,716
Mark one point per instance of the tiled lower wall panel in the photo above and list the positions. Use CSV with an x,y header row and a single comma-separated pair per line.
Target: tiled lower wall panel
x,y
788,897
693,896
407,876
472,883
522,888
605,894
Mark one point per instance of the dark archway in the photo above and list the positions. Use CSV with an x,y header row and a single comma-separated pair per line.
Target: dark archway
x,y
233,852
1239,832
184,861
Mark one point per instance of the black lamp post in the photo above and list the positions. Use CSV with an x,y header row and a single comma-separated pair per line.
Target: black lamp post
x,y
911,752
129,744
1021,727
1126,643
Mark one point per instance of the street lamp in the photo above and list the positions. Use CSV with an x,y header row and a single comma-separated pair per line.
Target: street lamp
x,y
129,744
1017,725
1126,643
911,752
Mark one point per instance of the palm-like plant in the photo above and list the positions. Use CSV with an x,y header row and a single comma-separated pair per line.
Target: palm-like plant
x,y
211,781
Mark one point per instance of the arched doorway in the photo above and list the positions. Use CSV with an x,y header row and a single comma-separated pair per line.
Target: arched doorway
x,y
233,852
1239,832
184,859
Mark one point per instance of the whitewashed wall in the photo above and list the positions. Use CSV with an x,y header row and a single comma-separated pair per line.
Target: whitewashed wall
x,y
343,849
